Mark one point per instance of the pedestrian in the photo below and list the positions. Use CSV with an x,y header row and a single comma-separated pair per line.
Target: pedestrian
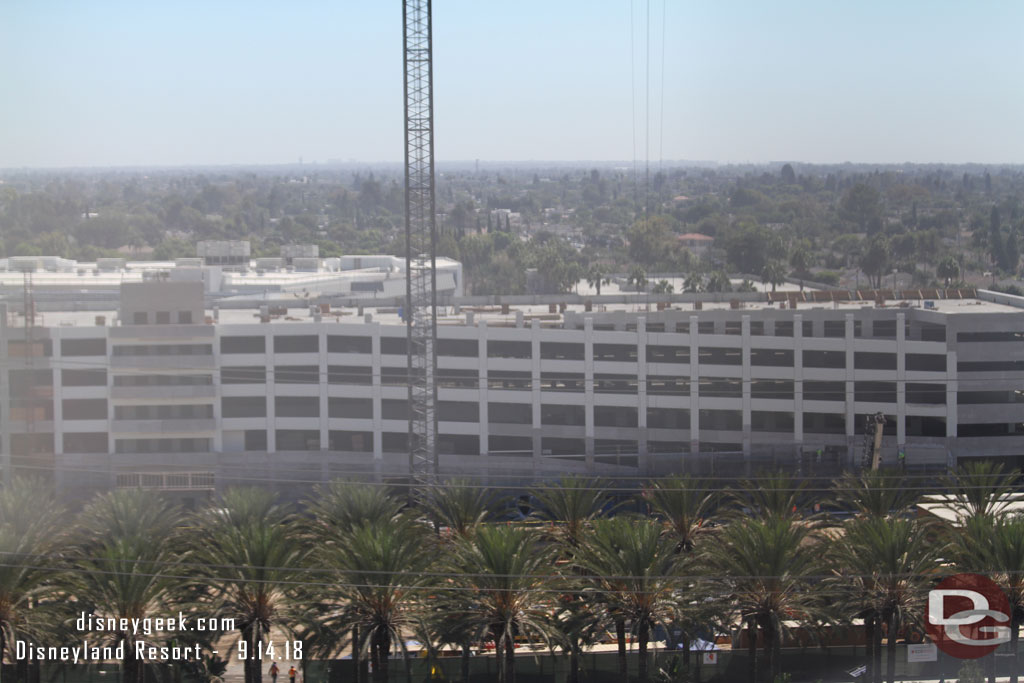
x,y
273,672
292,673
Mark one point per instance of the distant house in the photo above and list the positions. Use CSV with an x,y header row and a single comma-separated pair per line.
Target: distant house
x,y
130,250
696,242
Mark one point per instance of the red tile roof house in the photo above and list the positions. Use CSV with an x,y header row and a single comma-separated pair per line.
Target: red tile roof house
x,y
696,242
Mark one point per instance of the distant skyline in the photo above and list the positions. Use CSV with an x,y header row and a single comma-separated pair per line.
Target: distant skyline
x,y
117,83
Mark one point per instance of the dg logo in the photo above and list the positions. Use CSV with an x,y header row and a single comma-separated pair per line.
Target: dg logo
x,y
968,616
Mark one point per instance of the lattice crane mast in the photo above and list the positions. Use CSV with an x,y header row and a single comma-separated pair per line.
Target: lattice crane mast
x,y
420,240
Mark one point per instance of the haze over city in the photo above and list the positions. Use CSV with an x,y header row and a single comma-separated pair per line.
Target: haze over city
x,y
122,84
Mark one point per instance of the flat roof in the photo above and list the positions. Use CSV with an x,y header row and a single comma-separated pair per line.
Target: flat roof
x,y
388,314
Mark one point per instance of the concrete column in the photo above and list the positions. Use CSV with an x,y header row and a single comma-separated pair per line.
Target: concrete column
x,y
271,390
218,421
643,464
56,363
111,375
321,333
535,385
798,382
588,388
375,391
851,441
953,388
901,381
483,388
745,379
694,388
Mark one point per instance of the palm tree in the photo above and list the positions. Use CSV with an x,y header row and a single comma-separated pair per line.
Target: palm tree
x,y
571,504
580,626
693,283
345,505
663,287
746,286
719,282
123,566
948,269
980,488
874,493
772,495
632,564
459,506
995,547
596,277
381,565
251,549
884,565
638,278
29,525
773,274
501,579
765,569
684,505
801,259
335,510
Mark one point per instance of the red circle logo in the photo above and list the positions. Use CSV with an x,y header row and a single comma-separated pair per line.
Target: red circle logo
x,y
968,616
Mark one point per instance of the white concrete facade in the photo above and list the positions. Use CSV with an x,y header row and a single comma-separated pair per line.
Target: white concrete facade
x,y
611,392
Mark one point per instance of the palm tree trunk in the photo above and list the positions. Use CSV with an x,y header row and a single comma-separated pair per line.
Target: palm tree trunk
x,y
251,668
1014,636
770,637
499,655
752,650
892,624
876,653
383,655
407,664
642,650
620,636
465,663
374,658
128,669
355,650
510,659
869,646
574,664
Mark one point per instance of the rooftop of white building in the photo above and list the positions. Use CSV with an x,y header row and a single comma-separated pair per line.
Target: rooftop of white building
x,y
551,310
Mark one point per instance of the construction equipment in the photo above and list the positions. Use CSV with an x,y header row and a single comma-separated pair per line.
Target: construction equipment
x,y
420,239
874,426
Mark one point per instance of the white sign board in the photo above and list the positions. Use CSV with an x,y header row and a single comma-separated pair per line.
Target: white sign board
x,y
925,652
710,658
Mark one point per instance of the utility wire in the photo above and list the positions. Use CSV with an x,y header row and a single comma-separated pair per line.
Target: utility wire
x,y
698,578
632,81
175,565
796,489
661,117
647,116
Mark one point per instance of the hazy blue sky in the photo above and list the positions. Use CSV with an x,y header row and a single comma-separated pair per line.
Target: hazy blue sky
x,y
106,82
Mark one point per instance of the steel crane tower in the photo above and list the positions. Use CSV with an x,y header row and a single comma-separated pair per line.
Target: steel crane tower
x,y
420,239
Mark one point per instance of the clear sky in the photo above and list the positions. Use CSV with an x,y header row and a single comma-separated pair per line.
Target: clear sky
x,y
181,82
